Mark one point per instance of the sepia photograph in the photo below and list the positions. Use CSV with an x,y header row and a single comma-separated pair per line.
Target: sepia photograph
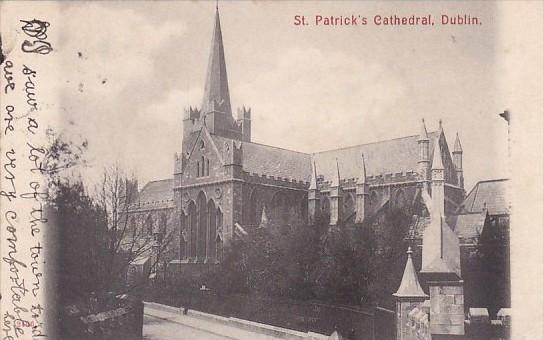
x,y
264,170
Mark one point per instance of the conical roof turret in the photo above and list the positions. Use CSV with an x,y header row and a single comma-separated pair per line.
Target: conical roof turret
x,y
437,156
336,179
457,147
362,176
423,135
409,285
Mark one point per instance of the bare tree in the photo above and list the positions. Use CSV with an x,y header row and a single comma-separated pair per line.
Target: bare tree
x,y
126,242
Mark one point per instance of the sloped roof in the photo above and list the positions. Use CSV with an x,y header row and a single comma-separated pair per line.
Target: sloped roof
x,y
157,192
389,156
268,160
466,226
490,194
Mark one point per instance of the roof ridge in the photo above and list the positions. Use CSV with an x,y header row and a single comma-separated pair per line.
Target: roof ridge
x,y
278,147
375,142
493,180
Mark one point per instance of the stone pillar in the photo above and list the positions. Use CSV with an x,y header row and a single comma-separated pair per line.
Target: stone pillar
x,y
313,197
447,309
336,198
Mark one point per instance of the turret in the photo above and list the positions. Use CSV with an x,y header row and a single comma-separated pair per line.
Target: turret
x,y
437,180
408,297
458,161
361,192
424,161
244,120
313,196
336,197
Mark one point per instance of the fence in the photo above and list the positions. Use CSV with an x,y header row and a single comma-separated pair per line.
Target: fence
x,y
353,323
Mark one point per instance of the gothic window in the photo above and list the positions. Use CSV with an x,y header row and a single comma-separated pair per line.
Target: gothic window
x,y
400,200
203,170
192,228
212,229
349,205
197,169
280,209
202,225
326,209
219,248
254,211
149,225
373,199
207,167
182,247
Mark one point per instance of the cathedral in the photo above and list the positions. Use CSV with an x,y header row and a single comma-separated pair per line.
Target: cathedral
x,y
224,184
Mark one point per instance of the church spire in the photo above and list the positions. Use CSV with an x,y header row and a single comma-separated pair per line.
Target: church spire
x,y
216,91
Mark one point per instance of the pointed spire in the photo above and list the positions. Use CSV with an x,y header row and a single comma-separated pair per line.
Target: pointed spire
x,y
216,90
264,219
440,125
362,178
457,147
313,179
437,156
423,131
336,180
409,285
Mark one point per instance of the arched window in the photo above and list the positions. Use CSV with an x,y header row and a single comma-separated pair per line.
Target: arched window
x,y
400,200
212,229
280,209
182,247
349,205
373,200
197,169
326,209
202,225
203,172
254,208
162,227
149,225
192,223
207,167
219,248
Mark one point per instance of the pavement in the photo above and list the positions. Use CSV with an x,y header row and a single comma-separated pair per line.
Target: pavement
x,y
162,325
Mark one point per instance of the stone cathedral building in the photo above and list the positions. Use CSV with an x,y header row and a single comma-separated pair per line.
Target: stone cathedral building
x,y
224,184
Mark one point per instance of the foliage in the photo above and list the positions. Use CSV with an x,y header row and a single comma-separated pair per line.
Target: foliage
x,y
347,264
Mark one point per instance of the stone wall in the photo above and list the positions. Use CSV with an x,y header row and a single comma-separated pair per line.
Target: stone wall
x,y
447,307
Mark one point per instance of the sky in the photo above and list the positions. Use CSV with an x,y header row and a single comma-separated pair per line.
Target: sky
x,y
128,70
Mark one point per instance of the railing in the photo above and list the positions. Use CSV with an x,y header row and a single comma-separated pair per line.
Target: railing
x,y
352,323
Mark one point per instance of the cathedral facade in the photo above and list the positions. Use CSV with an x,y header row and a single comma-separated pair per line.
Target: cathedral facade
x,y
224,184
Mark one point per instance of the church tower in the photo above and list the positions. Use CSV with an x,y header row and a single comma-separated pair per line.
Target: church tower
x,y
216,112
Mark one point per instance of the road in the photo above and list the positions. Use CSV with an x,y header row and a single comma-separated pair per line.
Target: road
x,y
160,329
